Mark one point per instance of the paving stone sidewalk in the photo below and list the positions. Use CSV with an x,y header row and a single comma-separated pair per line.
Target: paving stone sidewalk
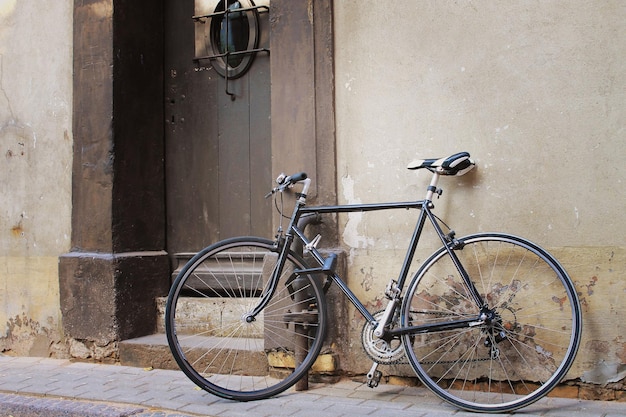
x,y
61,388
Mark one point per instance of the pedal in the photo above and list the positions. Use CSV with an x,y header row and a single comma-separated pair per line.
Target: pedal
x,y
374,376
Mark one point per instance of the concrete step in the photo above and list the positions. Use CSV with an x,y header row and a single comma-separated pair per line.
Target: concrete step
x,y
147,352
153,352
196,315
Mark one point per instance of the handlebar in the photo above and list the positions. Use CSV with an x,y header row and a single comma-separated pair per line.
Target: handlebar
x,y
291,179
286,181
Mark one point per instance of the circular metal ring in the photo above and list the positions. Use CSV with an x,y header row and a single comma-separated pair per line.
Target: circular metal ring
x,y
386,352
233,32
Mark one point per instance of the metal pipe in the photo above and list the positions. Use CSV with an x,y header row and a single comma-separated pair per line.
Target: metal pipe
x,y
305,220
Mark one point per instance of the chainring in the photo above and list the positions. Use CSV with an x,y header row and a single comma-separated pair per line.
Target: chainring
x,y
382,351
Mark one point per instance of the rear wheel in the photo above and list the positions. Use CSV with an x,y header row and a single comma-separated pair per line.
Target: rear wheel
x,y
526,339
214,338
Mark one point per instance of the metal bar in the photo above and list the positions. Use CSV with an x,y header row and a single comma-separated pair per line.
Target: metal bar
x,y
353,298
457,263
227,11
261,9
408,259
301,342
349,208
246,52
436,327
334,277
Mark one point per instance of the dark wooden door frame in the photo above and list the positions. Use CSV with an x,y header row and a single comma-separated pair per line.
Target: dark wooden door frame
x,y
118,263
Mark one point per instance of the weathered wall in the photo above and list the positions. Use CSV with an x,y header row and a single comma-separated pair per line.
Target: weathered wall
x,y
535,91
35,171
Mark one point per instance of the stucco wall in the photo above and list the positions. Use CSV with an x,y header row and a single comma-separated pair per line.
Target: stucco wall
x,y
35,172
535,91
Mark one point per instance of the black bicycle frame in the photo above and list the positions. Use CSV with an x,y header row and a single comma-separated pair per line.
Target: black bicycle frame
x,y
425,213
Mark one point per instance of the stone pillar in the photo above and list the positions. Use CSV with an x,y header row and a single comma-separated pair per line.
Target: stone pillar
x,y
303,125
118,263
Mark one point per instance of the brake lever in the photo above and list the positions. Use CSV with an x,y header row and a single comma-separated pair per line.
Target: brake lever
x,y
268,195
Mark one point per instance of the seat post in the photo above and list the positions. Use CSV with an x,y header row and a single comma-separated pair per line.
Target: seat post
x,y
432,188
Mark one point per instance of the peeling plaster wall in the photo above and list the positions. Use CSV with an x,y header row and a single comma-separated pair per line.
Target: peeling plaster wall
x,y
535,91
35,171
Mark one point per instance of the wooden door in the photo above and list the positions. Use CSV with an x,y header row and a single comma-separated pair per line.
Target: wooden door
x,y
217,134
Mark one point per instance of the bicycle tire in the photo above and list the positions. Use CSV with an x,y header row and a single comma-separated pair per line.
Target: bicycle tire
x,y
516,356
214,344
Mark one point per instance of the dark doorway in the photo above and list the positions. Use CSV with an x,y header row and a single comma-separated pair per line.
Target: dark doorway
x,y
142,102
217,138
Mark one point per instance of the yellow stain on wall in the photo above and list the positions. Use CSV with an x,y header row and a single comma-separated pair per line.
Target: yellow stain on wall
x,y
7,7
29,286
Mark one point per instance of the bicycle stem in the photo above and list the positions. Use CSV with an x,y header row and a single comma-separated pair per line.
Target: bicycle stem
x,y
304,192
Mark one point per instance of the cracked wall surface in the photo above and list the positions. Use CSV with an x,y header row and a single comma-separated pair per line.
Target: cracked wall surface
x,y
535,92
35,171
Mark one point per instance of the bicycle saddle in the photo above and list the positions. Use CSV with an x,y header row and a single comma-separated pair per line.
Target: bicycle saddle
x,y
457,164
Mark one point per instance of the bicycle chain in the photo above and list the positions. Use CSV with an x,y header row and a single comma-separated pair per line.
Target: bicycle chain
x,y
436,313
402,360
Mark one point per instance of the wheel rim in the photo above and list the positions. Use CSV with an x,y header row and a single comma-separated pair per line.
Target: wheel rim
x,y
527,342
220,345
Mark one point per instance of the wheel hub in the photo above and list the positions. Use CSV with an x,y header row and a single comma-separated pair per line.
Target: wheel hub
x,y
497,327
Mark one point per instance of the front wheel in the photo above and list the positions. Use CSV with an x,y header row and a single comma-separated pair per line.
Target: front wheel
x,y
525,335
217,338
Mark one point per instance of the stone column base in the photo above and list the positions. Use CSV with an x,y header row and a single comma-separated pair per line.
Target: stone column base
x,y
106,298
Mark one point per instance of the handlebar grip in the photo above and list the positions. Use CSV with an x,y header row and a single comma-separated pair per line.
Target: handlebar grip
x,y
298,177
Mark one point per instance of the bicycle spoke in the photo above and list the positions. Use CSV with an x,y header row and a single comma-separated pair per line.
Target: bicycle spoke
x,y
223,349
529,336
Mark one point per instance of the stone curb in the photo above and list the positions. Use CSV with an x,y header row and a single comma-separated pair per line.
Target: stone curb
x,y
15,405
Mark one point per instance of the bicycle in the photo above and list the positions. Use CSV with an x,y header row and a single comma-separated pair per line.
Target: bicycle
x,y
490,322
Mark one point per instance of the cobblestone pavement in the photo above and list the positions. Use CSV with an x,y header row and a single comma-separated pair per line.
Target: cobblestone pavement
x,y
61,388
